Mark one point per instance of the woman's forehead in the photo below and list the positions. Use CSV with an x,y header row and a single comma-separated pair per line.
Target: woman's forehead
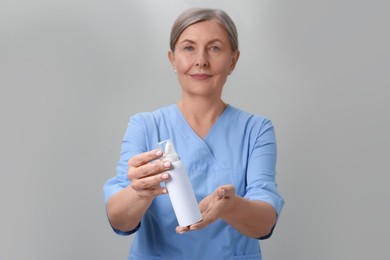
x,y
204,29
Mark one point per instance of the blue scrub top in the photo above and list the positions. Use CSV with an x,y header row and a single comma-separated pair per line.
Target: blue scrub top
x,y
240,149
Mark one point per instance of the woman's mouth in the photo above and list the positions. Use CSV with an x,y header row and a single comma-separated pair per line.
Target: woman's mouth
x,y
200,76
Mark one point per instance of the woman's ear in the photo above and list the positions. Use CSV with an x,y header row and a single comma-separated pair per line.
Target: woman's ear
x,y
236,56
171,57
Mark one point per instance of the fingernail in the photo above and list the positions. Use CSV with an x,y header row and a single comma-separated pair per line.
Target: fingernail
x,y
159,152
192,228
165,176
165,191
167,164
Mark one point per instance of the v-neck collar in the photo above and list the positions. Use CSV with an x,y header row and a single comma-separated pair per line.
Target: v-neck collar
x,y
212,129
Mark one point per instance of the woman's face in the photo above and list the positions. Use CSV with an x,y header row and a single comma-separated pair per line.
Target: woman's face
x,y
203,59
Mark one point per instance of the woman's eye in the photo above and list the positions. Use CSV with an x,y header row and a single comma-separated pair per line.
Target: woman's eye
x,y
188,48
214,48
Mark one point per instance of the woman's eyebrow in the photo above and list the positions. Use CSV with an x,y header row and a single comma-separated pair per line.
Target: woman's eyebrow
x,y
187,41
216,40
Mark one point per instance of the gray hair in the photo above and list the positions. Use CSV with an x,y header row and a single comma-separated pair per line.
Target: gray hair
x,y
195,15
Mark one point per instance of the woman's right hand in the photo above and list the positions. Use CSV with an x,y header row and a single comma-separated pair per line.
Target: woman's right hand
x,y
146,172
126,208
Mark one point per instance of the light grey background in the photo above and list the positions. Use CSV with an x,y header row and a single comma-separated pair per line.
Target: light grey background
x,y
72,72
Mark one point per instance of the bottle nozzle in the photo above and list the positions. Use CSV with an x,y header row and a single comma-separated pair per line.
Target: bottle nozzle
x,y
169,150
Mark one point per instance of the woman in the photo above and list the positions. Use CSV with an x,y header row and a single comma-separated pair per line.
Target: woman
x,y
230,156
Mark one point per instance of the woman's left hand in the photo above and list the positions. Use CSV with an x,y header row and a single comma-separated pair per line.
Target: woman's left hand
x,y
212,207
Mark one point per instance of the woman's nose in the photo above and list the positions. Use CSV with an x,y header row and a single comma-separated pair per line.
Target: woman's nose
x,y
201,60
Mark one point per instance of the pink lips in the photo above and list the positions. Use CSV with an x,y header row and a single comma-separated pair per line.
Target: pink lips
x,y
200,76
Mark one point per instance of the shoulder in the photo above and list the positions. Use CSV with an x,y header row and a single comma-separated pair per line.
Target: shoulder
x,y
145,128
242,116
153,116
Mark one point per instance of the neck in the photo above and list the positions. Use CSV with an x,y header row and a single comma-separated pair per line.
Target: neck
x,y
201,114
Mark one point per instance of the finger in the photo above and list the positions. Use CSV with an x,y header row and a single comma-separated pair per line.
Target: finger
x,y
149,182
198,225
220,193
226,191
151,192
182,230
149,169
144,158
203,205
207,220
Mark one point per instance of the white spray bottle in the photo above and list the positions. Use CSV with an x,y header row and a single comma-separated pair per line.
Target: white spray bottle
x,y
179,187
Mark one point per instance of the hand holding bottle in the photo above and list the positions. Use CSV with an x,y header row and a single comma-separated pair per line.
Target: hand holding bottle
x,y
146,173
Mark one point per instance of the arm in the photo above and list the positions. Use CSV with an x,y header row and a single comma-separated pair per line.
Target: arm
x,y
126,208
251,218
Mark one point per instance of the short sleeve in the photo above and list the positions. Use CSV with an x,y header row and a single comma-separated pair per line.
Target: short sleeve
x,y
261,184
133,143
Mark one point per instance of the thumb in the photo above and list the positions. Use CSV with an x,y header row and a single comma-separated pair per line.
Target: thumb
x,y
226,191
221,193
